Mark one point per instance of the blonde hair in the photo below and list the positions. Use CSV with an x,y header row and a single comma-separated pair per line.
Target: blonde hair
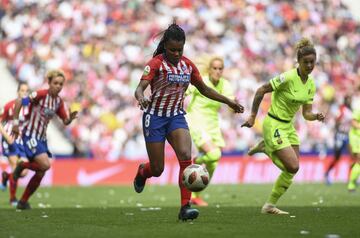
x,y
304,47
50,75
205,61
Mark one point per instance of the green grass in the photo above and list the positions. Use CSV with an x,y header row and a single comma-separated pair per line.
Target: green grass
x,y
316,211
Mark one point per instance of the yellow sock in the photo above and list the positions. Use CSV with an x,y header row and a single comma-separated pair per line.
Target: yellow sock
x,y
280,187
354,175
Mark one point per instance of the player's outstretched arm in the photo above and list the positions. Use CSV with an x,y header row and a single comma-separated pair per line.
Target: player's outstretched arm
x,y
212,94
309,115
259,95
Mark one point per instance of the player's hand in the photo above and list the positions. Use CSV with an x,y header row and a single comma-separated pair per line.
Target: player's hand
x,y
320,117
144,103
235,105
15,131
73,115
249,122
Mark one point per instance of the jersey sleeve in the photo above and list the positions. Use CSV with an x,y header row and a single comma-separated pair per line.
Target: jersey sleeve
x,y
62,112
151,69
5,112
195,74
278,82
312,91
37,95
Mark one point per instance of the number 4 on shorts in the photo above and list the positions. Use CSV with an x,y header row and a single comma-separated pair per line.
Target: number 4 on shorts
x,y
277,134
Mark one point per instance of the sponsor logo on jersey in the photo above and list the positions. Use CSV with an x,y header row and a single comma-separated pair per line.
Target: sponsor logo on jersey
x,y
146,70
178,78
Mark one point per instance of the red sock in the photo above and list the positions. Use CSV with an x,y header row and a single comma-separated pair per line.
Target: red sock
x,y
32,186
31,165
185,194
12,187
146,171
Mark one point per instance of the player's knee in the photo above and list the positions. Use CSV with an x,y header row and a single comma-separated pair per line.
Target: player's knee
x,y
292,168
214,155
184,155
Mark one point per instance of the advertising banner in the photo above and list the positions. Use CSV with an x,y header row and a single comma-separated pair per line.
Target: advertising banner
x,y
231,170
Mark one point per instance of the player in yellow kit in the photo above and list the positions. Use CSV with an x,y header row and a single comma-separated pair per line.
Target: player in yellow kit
x,y
290,90
203,119
354,137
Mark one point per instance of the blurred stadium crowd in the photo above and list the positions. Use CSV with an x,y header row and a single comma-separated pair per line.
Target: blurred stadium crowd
x,y
103,46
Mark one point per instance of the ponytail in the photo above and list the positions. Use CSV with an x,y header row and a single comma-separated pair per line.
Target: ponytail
x,y
173,32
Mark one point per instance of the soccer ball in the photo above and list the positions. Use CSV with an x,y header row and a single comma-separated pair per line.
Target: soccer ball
x,y
195,178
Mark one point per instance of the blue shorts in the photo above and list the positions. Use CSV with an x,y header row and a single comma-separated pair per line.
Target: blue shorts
x,y
156,128
14,149
341,141
33,147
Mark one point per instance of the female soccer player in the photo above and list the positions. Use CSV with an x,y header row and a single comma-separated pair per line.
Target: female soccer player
x,y
14,151
290,90
169,73
354,137
45,104
203,120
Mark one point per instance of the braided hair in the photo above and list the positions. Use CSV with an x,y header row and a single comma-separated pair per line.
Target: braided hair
x,y
173,32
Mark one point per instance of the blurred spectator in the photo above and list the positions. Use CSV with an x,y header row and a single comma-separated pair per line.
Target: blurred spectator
x,y
101,45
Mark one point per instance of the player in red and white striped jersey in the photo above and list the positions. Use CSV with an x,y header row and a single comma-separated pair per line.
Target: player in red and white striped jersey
x,y
169,74
14,151
170,84
44,105
341,137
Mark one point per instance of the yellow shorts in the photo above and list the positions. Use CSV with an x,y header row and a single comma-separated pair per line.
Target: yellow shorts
x,y
201,135
354,141
278,135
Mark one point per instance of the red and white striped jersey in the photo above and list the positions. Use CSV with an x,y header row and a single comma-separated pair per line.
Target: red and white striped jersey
x,y
8,115
343,119
42,109
168,84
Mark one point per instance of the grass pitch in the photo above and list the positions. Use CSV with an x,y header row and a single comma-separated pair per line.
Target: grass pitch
x,y
234,211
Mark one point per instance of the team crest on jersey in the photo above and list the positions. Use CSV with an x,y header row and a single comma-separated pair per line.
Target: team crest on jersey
x,y
178,78
185,69
281,78
49,113
146,70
